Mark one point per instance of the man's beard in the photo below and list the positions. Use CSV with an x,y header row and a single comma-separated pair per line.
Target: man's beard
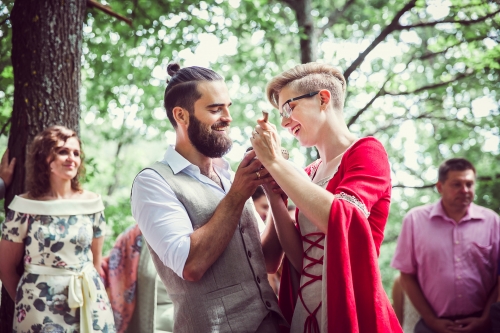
x,y
206,141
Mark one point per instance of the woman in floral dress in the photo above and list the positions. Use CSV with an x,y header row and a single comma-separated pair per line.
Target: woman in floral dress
x,y
58,228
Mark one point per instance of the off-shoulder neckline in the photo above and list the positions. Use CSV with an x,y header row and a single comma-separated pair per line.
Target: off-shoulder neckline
x,y
57,207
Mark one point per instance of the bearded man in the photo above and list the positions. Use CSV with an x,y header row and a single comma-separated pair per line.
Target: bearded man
x,y
199,222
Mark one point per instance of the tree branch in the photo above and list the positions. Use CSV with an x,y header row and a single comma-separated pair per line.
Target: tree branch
x,y
435,54
434,23
414,187
380,93
432,86
393,26
291,3
4,127
332,19
107,10
480,179
392,122
354,118
5,20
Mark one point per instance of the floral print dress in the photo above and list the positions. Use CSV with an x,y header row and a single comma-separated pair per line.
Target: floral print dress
x,y
57,235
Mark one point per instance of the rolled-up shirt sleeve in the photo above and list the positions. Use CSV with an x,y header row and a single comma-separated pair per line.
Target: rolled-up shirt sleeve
x,y
404,257
162,218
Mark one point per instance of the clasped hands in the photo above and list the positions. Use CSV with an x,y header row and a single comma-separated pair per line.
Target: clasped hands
x,y
267,146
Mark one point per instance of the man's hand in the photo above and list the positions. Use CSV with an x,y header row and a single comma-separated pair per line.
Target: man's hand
x,y
6,168
442,325
471,324
249,175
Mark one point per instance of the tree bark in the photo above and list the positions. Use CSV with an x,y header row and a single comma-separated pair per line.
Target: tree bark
x,y
305,22
46,59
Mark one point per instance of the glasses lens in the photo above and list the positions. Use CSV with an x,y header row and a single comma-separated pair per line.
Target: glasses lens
x,y
287,110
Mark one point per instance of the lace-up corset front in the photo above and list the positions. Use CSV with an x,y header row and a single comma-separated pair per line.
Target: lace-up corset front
x,y
309,315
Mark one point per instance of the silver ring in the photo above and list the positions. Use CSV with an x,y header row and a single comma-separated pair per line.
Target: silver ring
x,y
284,153
258,174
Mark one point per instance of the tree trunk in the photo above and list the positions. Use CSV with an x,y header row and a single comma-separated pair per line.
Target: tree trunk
x,y
306,26
46,58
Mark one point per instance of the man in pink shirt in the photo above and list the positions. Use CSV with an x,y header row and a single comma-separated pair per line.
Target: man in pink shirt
x,y
448,255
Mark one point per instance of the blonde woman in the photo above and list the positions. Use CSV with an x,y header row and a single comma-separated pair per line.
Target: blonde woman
x,y
57,230
342,210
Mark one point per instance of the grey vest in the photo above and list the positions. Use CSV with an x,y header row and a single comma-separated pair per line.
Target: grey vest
x,y
234,294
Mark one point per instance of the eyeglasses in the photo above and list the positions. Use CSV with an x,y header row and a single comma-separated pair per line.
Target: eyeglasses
x,y
286,110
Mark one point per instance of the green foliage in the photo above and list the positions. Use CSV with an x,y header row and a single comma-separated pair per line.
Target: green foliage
x,y
429,91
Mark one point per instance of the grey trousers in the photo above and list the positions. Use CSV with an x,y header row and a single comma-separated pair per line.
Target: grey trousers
x,y
269,324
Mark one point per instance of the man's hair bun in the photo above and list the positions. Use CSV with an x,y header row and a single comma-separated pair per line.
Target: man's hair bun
x,y
173,68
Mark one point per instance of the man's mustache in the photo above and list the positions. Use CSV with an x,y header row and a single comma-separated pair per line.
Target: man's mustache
x,y
221,124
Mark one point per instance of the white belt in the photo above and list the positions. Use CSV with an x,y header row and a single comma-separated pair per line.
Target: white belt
x,y
82,291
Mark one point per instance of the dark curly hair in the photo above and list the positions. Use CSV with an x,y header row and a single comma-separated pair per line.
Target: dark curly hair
x,y
44,147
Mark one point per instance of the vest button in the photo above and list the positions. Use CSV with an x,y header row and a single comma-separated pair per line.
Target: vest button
x,y
268,304
249,254
258,279
242,230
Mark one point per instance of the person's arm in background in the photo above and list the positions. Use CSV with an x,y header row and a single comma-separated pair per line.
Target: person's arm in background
x,y
6,172
96,248
8,265
495,312
474,324
398,299
411,286
405,261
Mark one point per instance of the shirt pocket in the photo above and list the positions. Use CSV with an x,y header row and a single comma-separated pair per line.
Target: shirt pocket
x,y
482,257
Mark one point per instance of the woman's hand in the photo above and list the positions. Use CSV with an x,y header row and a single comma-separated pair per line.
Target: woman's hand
x,y
266,142
274,192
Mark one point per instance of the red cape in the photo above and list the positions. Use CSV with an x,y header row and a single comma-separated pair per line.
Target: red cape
x,y
356,300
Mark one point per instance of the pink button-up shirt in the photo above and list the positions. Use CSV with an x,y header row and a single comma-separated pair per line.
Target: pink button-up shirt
x,y
455,263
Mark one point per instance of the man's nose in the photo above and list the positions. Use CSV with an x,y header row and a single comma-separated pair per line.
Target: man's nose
x,y
226,116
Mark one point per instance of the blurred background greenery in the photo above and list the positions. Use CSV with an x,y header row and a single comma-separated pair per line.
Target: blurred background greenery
x,y
422,78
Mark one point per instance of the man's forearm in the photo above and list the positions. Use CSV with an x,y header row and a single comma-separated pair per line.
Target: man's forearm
x,y
209,241
410,285
491,299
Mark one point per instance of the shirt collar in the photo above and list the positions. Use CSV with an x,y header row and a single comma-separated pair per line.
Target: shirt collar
x,y
177,162
473,213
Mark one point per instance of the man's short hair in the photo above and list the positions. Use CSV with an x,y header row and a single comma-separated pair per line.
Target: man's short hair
x,y
454,164
306,78
182,87
259,191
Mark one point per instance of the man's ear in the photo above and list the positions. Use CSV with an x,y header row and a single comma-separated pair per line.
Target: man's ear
x,y
181,116
439,187
325,96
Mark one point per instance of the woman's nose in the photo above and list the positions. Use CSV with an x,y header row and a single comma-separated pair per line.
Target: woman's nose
x,y
285,121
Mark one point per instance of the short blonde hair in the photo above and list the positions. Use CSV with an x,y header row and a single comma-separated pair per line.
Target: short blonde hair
x,y
306,78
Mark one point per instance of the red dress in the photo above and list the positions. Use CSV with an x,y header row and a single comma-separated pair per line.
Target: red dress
x,y
356,300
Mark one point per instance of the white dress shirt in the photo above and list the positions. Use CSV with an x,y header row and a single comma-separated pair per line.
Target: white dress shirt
x,y
162,218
